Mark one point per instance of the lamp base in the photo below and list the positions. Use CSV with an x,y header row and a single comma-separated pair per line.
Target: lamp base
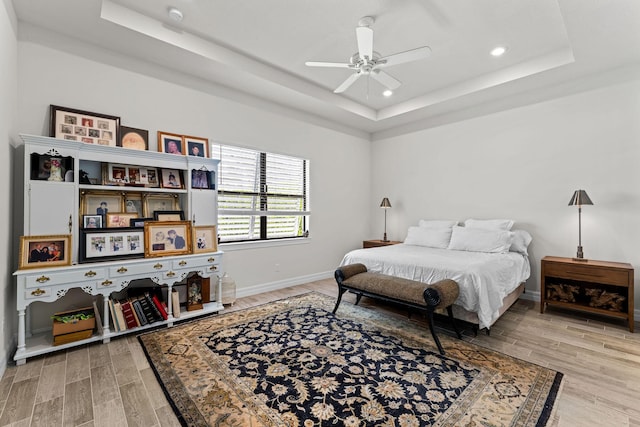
x,y
580,255
384,239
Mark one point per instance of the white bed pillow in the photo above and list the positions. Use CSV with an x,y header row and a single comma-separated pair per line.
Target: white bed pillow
x,y
521,241
491,224
435,223
480,240
429,237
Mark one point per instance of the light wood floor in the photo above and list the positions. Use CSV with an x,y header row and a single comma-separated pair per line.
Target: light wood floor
x,y
113,385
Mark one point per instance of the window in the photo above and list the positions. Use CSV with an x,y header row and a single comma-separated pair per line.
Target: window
x,y
261,196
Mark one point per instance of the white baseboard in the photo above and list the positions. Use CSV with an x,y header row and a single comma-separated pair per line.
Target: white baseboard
x,y
274,286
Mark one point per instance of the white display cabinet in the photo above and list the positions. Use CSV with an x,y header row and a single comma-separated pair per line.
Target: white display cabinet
x,y
53,207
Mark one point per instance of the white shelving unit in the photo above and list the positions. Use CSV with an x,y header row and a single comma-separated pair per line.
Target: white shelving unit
x,y
52,208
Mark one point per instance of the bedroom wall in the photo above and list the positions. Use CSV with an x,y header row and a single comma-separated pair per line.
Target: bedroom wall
x,y
525,164
8,102
339,218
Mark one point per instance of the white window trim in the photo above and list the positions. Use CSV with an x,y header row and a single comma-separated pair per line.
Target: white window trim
x,y
257,244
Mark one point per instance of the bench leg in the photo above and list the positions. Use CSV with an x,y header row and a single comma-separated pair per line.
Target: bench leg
x,y
453,322
341,291
433,331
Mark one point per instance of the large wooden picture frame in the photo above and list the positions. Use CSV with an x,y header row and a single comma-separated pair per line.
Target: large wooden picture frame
x,y
45,251
167,238
196,146
170,143
95,202
133,138
84,126
160,202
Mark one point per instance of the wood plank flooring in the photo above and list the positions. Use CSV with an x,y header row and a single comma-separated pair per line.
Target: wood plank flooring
x,y
113,384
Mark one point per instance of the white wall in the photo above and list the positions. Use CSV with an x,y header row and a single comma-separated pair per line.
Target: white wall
x,y
339,163
525,164
8,103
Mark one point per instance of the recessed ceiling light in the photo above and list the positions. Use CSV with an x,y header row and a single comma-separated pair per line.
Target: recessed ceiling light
x,y
175,14
387,92
498,50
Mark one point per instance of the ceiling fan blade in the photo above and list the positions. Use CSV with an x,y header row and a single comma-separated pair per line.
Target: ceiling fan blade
x,y
327,64
402,57
365,43
386,80
347,83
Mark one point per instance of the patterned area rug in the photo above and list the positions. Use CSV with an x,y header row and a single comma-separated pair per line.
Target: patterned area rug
x,y
293,363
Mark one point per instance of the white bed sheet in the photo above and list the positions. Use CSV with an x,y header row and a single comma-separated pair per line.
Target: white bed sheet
x,y
484,278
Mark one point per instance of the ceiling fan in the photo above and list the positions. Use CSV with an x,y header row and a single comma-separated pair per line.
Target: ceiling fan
x,y
368,62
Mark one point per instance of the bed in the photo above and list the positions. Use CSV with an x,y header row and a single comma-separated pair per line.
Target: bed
x,y
490,279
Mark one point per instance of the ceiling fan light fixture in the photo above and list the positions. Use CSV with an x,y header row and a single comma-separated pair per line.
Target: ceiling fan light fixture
x,y
387,93
499,51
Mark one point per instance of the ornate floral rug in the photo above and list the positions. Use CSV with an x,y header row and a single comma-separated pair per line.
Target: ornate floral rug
x,y
293,363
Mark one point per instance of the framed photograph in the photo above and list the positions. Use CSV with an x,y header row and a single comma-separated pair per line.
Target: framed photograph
x,y
201,178
101,202
152,177
133,204
138,222
110,244
160,202
205,239
198,147
120,219
171,178
45,251
92,221
168,215
115,174
134,139
170,143
194,292
85,126
167,238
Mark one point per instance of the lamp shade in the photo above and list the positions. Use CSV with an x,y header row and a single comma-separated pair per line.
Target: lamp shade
x,y
386,204
580,198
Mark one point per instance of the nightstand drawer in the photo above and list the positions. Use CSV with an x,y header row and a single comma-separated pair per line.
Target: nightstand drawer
x,y
587,274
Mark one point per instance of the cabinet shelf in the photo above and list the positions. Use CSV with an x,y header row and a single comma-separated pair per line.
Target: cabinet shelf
x,y
56,208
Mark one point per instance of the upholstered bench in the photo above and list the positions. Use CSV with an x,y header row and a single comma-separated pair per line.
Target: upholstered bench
x,y
355,278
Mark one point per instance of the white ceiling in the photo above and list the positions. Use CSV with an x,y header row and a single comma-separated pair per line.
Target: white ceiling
x,y
260,47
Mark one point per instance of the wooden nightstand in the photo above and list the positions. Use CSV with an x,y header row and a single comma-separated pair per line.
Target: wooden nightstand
x,y
375,243
601,287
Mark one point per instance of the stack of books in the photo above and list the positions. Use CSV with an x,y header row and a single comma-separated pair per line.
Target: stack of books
x,y
132,312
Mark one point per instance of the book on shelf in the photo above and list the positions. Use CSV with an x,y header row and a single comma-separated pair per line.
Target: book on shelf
x,y
135,314
161,308
117,307
129,318
141,317
96,313
114,319
157,314
175,303
146,309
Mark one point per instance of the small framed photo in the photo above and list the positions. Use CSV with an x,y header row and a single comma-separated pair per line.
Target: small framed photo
x,y
167,238
101,202
92,221
134,139
198,147
194,292
45,251
160,202
120,219
110,244
170,143
115,174
133,204
168,215
152,177
138,222
205,239
85,126
201,178
171,178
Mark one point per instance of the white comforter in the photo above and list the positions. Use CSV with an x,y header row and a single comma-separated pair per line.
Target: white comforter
x,y
484,278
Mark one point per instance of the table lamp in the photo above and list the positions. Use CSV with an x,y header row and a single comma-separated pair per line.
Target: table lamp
x,y
386,204
580,198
